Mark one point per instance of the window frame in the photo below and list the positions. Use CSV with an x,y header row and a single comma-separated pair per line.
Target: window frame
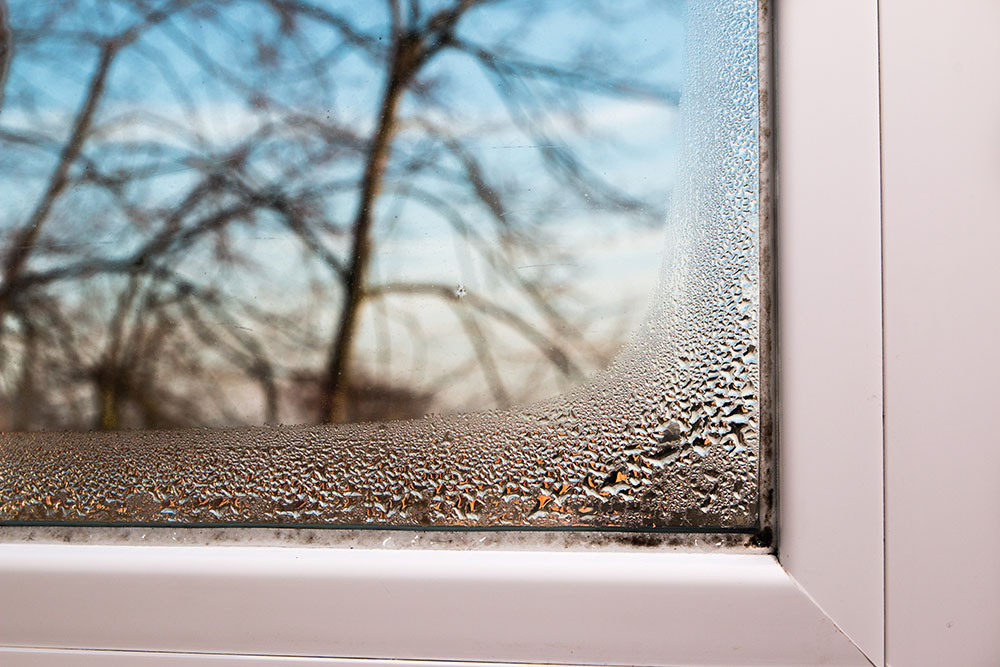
x,y
817,599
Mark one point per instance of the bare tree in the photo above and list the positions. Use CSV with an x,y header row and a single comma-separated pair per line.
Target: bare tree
x,y
201,127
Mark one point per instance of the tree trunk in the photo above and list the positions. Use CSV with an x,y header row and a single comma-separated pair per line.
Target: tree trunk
x,y
405,62
24,402
108,400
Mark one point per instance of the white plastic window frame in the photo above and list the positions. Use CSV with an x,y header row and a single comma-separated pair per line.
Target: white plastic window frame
x,y
820,600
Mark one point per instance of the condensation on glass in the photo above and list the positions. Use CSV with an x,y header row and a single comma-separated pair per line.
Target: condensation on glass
x,y
667,437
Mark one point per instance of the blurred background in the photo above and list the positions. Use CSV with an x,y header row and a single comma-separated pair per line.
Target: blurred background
x,y
283,211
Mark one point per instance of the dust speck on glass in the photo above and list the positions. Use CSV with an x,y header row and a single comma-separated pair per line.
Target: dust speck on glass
x,y
381,264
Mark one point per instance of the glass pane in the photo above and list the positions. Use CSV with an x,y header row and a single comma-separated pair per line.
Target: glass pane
x,y
297,211
263,212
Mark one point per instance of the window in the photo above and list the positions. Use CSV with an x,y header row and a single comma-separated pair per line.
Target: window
x,y
660,440
692,609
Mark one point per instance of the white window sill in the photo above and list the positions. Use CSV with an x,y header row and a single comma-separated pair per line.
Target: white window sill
x,y
581,608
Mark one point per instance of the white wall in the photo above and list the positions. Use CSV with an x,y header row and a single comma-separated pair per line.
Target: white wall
x,y
940,93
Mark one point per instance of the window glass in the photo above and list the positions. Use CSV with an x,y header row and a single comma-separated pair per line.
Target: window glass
x,y
379,215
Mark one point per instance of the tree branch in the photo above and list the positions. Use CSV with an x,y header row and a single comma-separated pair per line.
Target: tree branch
x,y
25,240
553,352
